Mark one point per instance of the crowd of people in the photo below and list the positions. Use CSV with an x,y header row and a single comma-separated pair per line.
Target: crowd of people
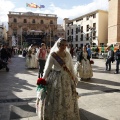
x,y
112,57
61,75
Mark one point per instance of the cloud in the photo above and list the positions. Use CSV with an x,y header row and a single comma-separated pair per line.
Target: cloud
x,y
5,6
79,10
61,13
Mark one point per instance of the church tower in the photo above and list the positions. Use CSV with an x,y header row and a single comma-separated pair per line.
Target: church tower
x,y
114,22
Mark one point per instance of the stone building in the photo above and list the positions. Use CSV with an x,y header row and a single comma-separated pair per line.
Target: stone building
x,y
3,34
91,28
31,28
114,22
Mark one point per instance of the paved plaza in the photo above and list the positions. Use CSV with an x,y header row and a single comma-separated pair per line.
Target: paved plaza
x,y
100,97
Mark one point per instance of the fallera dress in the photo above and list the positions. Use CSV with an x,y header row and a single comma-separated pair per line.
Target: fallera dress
x,y
84,70
61,99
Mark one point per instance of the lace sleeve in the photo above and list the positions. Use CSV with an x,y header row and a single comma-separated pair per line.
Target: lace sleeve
x,y
71,66
48,66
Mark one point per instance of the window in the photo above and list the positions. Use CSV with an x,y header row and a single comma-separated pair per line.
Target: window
x,y
81,37
87,36
51,22
41,22
68,39
94,25
14,20
71,38
94,15
25,21
87,28
68,32
72,32
81,29
87,18
94,34
76,37
76,30
33,21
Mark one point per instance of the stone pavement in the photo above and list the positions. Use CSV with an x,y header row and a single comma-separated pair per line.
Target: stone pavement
x,y
100,97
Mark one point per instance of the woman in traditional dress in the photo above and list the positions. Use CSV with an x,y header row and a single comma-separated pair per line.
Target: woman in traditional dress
x,y
83,67
61,98
34,63
31,61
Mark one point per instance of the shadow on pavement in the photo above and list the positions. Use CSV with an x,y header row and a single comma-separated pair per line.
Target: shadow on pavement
x,y
102,70
22,111
98,84
86,115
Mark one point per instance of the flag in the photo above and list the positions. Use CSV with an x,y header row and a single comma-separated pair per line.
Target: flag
x,y
27,5
32,5
42,6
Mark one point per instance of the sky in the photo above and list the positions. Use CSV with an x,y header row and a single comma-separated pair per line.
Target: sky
x,y
62,8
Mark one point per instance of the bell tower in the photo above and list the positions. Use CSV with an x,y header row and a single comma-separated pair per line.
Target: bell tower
x,y
114,22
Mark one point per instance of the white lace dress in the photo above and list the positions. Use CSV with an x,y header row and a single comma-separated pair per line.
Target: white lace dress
x,y
84,70
61,99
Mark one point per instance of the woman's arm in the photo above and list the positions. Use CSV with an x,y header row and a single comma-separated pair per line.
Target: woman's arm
x,y
48,66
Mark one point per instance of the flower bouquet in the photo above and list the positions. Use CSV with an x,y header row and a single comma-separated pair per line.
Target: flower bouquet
x,y
41,88
91,62
41,92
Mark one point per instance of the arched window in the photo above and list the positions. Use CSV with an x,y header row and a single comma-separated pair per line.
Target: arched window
x,y
51,22
25,21
42,22
15,20
33,21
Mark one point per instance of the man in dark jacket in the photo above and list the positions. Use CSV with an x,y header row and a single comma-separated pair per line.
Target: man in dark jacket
x,y
110,57
117,57
4,53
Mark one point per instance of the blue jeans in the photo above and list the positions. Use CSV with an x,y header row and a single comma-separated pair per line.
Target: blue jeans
x,y
117,65
108,63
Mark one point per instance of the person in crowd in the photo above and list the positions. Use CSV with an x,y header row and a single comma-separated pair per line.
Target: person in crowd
x,y
117,56
110,58
61,98
72,51
24,52
34,63
5,53
79,50
97,51
41,57
89,52
84,67
31,61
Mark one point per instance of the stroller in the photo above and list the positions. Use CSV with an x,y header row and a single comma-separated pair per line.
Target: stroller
x,y
3,64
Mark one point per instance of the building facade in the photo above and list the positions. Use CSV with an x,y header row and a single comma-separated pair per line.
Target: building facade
x,y
114,22
91,28
31,28
3,34
60,31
